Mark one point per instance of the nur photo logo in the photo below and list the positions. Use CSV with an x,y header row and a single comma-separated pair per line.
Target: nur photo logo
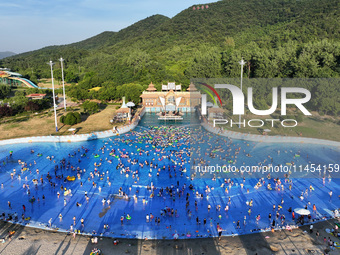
x,y
281,98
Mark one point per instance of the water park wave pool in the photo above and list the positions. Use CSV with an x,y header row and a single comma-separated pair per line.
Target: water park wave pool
x,y
139,185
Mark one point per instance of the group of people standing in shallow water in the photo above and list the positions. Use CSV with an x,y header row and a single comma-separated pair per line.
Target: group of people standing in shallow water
x,y
152,168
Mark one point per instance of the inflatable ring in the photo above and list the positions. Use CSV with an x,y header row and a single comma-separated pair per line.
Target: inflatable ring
x,y
71,178
96,156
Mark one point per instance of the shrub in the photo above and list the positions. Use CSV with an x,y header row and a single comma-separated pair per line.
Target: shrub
x,y
77,115
90,107
284,117
70,118
5,91
31,106
62,119
5,111
299,118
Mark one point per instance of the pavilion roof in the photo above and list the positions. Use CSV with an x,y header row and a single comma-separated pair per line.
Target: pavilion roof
x,y
151,88
123,110
192,87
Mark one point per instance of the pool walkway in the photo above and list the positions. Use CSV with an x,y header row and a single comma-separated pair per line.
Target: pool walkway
x,y
265,138
80,137
205,124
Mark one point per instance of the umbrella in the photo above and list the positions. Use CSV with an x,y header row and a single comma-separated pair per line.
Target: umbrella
x,y
210,104
301,211
130,104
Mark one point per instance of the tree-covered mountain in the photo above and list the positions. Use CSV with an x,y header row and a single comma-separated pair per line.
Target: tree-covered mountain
x,y
6,54
277,38
107,38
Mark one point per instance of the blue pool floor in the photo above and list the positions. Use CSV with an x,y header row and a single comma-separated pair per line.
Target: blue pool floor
x,y
100,178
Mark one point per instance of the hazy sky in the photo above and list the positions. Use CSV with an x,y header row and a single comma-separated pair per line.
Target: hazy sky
x,y
32,24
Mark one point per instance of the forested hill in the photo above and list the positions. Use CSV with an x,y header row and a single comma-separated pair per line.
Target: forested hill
x,y
110,38
277,38
6,54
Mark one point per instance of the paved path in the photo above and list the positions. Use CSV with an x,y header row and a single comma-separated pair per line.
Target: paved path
x,y
36,241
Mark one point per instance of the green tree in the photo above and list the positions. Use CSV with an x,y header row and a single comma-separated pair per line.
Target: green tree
x,y
78,117
206,63
4,91
137,59
62,119
31,106
130,91
90,107
5,110
71,118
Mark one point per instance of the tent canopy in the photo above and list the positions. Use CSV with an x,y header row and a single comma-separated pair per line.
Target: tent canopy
x,y
301,211
130,104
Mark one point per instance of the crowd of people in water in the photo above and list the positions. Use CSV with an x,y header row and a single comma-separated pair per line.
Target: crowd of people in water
x,y
152,168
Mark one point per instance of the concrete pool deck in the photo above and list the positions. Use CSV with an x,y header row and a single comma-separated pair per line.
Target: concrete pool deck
x,y
37,241
266,138
207,126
